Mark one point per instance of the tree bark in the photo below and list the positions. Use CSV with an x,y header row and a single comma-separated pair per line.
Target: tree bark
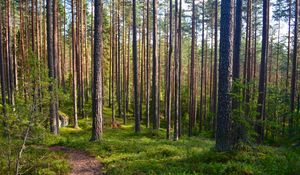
x,y
74,67
147,69
192,72
97,85
169,68
135,70
155,114
294,70
51,72
224,99
263,74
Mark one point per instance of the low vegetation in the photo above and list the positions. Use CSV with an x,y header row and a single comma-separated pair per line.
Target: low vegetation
x,y
121,151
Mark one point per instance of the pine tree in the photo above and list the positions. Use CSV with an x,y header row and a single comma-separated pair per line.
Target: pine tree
x,y
97,83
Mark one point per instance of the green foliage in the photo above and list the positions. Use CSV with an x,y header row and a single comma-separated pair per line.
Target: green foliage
x,y
124,152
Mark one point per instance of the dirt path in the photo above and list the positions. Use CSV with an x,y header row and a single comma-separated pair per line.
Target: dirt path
x,y
80,162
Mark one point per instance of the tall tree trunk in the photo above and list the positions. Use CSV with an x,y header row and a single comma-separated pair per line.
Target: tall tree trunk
x,y
294,70
55,59
135,70
236,63
288,59
64,48
97,85
202,72
50,48
118,70
124,65
215,72
169,73
128,67
180,63
192,72
263,74
92,46
78,57
10,76
113,63
248,57
176,107
110,56
224,99
33,49
147,69
277,54
22,49
142,58
15,62
155,114
2,71
74,67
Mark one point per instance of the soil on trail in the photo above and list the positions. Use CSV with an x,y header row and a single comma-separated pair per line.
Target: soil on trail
x,y
80,162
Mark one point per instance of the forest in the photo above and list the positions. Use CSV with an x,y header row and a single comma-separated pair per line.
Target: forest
x,y
206,87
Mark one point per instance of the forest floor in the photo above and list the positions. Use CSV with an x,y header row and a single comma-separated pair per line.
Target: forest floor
x,y
80,162
121,151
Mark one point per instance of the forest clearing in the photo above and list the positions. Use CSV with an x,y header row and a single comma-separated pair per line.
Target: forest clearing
x,y
123,87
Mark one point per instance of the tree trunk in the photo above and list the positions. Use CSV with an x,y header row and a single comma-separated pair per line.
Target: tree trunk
x,y
2,71
202,72
135,70
51,73
169,73
192,72
55,59
224,99
215,72
155,114
176,107
10,90
74,67
97,85
263,74
180,63
118,65
147,68
294,70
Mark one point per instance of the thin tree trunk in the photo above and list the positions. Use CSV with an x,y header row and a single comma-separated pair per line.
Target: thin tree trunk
x,y
294,70
192,72
202,72
118,70
50,48
180,63
135,70
263,74
2,71
124,66
176,108
10,77
215,72
155,114
55,59
147,69
15,62
74,67
169,73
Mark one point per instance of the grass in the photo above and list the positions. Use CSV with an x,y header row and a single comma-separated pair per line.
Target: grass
x,y
36,159
124,152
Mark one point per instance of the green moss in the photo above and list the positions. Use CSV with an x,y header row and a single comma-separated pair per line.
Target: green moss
x,y
124,152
